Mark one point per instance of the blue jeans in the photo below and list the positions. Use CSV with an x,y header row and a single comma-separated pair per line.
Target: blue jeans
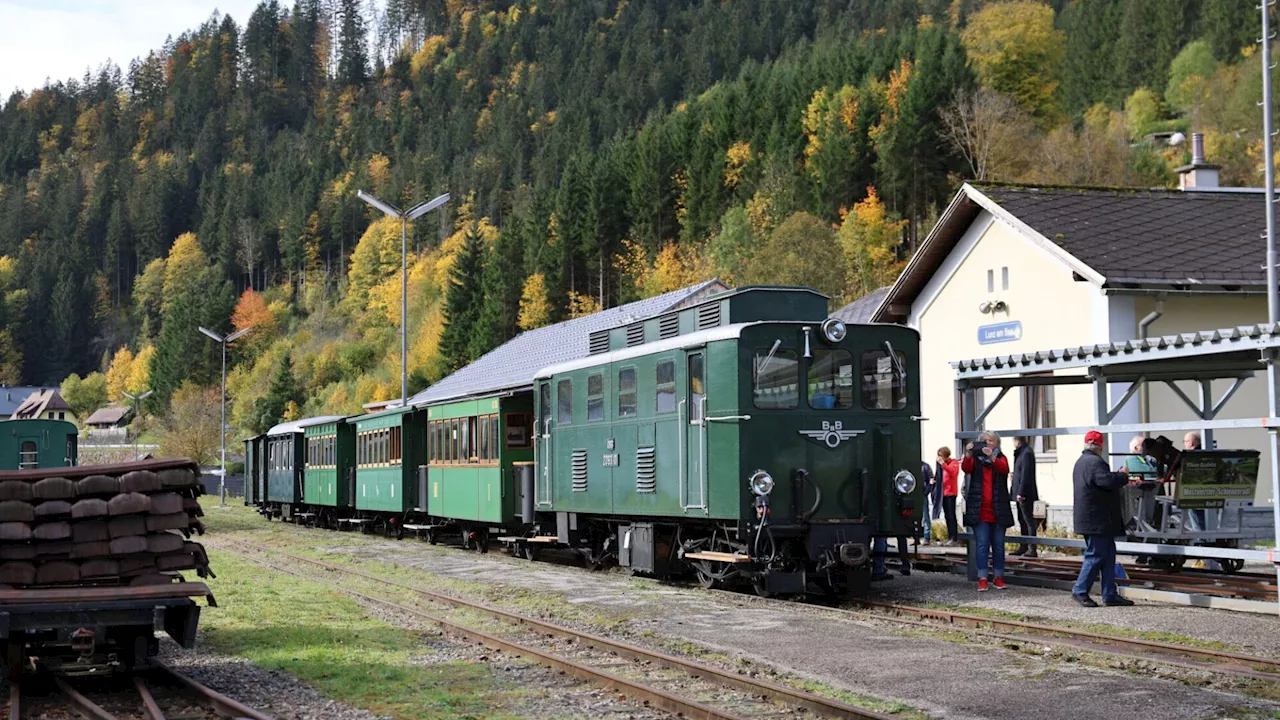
x,y
879,546
990,539
1099,559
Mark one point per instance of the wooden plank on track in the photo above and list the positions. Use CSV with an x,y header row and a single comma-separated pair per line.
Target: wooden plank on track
x,y
718,557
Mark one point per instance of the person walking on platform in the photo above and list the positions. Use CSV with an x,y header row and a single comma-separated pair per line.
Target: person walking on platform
x,y
1098,517
949,468
986,504
1025,492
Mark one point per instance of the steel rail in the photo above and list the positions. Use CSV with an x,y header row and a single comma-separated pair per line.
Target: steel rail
x,y
759,687
225,706
82,704
1249,663
148,700
15,699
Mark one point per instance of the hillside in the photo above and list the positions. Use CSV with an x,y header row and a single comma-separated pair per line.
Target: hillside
x,y
596,152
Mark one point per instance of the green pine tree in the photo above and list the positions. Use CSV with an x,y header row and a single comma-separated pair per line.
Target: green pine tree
x,y
463,302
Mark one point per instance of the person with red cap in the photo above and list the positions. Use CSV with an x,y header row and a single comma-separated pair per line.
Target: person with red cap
x,y
1099,518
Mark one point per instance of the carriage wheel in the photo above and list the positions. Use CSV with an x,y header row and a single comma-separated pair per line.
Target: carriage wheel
x,y
1231,566
433,537
528,552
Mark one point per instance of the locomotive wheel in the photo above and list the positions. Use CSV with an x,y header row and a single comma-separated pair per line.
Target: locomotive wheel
x,y
762,589
482,542
433,537
1231,566
706,579
528,552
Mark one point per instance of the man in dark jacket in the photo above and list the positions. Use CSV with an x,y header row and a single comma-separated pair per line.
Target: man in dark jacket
x,y
1025,493
1099,519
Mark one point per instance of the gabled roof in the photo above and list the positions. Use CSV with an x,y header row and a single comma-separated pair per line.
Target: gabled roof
x,y
512,365
40,401
863,309
11,396
109,415
1113,237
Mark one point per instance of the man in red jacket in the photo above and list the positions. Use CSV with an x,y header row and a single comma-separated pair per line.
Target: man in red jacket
x,y
949,469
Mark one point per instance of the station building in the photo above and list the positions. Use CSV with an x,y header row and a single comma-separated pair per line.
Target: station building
x,y
1015,269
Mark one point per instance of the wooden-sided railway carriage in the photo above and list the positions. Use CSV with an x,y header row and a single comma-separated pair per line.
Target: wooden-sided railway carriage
x,y
740,436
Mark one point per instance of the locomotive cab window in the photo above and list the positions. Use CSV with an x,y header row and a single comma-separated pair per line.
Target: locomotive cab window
x,y
884,384
28,456
627,392
775,378
564,402
831,380
697,386
595,397
666,386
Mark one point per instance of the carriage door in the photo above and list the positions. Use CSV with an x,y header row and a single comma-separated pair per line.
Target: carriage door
x,y
694,411
543,478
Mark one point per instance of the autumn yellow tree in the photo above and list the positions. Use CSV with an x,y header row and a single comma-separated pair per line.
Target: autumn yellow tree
x,y
140,370
191,427
535,306
118,374
1016,50
867,238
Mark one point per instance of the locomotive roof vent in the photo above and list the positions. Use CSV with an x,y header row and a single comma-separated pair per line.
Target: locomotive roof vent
x,y
668,326
708,315
635,334
598,342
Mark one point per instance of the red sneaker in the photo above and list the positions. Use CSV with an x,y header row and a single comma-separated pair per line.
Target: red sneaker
x,y
982,585
999,583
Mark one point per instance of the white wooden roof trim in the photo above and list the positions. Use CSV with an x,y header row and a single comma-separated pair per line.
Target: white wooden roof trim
x,y
1205,342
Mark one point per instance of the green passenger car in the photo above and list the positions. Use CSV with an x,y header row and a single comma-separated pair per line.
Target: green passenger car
x,y
390,447
285,455
29,444
327,479
472,448
748,426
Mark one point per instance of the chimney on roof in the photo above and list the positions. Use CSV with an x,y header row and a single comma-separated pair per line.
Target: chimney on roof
x,y
1199,175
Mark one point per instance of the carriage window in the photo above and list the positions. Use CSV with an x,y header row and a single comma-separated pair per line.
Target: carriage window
x,y
831,380
666,384
466,448
627,392
595,397
28,456
396,453
484,438
564,402
884,387
495,437
775,375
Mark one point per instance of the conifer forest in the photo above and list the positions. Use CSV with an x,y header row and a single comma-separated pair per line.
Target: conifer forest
x,y
597,152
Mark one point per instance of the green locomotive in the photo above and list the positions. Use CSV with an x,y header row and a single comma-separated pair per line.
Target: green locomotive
x,y
28,444
736,435
748,436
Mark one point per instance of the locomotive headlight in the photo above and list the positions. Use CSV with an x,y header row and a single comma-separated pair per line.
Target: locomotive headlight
x,y
904,482
834,329
761,482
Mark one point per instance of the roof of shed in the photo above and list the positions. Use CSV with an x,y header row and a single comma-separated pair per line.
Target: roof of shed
x,y
109,415
863,309
512,365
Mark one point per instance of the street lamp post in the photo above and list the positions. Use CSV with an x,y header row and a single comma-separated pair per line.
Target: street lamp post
x,y
222,468
137,416
404,216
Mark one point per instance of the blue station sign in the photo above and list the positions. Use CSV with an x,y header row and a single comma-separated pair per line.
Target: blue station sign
x,y
1003,332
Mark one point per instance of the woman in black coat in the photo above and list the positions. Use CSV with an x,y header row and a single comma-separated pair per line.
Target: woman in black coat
x,y
986,504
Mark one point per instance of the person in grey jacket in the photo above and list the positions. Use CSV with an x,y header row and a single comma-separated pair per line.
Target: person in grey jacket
x,y
1025,493
1099,518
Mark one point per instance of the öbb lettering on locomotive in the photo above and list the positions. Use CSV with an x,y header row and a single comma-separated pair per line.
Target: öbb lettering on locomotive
x,y
738,436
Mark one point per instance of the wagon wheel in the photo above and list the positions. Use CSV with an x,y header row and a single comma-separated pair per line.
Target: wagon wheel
x,y
398,531
433,537
482,541
528,551
707,578
1231,566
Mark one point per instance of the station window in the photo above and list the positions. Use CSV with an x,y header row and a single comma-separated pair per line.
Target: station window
x,y
595,397
1039,410
775,379
884,386
627,392
665,382
831,380
564,402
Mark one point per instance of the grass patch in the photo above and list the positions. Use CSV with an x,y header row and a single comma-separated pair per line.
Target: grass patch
x,y
892,707
324,638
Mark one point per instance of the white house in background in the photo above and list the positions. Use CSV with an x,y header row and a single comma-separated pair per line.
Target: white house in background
x,y
1012,269
44,404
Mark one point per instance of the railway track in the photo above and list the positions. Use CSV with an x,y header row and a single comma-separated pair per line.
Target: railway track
x,y
661,680
1251,586
158,693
